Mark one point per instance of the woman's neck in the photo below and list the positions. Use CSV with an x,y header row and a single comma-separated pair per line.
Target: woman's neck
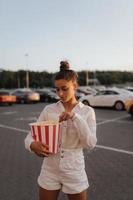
x,y
70,104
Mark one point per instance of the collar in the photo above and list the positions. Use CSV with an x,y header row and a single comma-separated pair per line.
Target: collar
x,y
78,106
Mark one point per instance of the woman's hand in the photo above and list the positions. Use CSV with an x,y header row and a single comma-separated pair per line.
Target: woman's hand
x,y
65,116
40,149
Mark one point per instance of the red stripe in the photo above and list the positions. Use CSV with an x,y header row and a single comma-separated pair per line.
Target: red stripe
x,y
47,134
39,133
54,136
33,133
59,138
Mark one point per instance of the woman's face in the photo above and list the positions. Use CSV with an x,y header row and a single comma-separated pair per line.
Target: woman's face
x,y
65,89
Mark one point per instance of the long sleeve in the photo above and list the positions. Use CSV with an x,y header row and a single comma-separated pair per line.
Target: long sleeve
x,y
86,128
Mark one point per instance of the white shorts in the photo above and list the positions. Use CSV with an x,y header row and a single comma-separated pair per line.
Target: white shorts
x,y
65,170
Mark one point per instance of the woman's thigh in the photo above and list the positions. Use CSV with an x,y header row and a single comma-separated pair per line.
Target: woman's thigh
x,y
79,196
48,194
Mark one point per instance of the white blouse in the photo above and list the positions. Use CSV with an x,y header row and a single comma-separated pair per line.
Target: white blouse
x,y
78,132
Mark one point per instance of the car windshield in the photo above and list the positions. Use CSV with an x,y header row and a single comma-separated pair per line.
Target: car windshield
x,y
4,93
23,91
107,92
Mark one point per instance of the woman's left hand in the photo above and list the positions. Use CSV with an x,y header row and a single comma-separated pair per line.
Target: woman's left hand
x,y
65,116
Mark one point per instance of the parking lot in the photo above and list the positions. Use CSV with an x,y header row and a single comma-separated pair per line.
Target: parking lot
x,y
109,166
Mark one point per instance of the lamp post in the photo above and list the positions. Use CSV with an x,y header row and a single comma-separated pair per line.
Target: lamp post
x,y
27,72
87,78
87,75
18,79
94,77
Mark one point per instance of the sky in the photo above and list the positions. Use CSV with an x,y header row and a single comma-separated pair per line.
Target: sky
x,y
90,34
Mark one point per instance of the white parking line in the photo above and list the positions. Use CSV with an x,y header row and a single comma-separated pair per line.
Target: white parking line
x,y
114,149
26,119
124,121
9,113
111,120
13,128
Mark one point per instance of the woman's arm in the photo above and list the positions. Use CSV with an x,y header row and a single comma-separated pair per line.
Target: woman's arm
x,y
86,128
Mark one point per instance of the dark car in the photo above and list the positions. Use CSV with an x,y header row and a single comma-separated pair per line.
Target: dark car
x,y
26,96
46,95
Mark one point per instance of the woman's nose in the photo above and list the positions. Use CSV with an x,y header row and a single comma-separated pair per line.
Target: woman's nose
x,y
60,93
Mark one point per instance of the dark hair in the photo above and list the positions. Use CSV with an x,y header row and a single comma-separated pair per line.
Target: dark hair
x,y
66,73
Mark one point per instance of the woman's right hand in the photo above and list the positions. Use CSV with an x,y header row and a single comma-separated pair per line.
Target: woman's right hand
x,y
40,149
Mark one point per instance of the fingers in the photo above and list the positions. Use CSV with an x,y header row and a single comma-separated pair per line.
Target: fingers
x,y
62,117
65,116
41,149
42,154
45,146
45,150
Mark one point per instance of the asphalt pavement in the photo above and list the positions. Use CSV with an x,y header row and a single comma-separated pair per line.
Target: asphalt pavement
x,y
109,166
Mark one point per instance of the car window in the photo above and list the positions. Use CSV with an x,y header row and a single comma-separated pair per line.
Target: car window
x,y
18,92
113,92
100,93
109,92
4,93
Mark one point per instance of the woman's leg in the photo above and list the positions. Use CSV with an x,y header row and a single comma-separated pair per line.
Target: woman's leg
x,y
48,194
79,196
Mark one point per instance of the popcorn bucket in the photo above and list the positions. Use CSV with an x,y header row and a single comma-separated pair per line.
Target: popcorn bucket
x,y
47,132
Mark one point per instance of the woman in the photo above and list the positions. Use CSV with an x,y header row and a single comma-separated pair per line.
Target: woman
x,y
66,170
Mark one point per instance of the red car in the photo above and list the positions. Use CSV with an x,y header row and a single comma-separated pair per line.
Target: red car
x,y
6,97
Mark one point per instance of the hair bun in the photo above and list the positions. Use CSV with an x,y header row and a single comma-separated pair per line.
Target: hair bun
x,y
64,65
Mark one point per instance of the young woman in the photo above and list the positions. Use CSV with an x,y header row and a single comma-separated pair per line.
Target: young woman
x,y
66,170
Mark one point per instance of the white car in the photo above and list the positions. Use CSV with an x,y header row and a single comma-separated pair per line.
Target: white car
x,y
129,89
112,97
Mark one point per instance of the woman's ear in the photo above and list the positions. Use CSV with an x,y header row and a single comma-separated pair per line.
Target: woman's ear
x,y
75,85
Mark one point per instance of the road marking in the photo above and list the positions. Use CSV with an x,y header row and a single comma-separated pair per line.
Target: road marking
x,y
111,120
114,149
26,119
13,128
35,113
98,146
9,112
123,121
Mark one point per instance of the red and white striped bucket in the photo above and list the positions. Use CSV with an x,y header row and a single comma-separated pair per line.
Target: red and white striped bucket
x,y
47,132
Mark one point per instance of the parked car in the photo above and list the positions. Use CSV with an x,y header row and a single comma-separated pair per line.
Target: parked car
x,y
79,94
26,95
129,89
86,90
46,95
129,107
111,97
6,97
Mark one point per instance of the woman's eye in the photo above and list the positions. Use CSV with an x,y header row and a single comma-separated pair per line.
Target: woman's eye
x,y
65,89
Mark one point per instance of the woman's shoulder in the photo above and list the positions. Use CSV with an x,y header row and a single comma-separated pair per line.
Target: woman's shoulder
x,y
50,106
86,108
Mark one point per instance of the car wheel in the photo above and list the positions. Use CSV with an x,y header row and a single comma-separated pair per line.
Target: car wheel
x,y
119,105
46,99
86,102
22,101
